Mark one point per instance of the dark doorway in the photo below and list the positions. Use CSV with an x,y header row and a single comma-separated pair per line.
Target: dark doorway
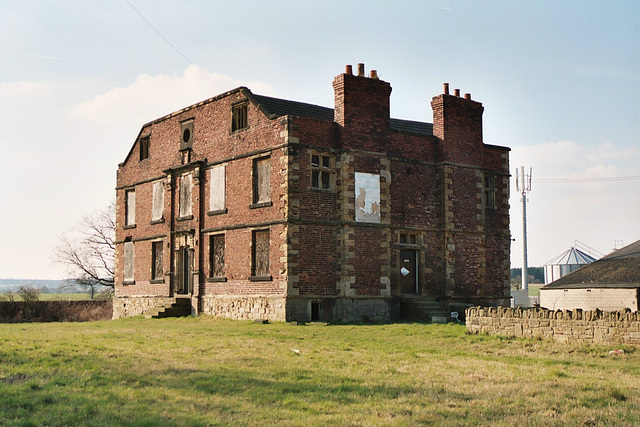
x,y
184,270
408,278
315,311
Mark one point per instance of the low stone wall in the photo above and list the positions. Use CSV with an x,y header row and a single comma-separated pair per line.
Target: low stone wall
x,y
245,307
129,306
599,327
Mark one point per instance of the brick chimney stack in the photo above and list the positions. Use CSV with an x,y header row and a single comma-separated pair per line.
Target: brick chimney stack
x,y
362,108
457,122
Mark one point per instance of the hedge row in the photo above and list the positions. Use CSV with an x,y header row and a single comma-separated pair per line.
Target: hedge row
x,y
55,311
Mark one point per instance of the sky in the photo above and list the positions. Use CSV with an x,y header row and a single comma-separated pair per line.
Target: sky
x,y
559,81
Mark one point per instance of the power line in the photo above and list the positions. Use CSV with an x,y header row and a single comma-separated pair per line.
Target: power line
x,y
604,179
159,33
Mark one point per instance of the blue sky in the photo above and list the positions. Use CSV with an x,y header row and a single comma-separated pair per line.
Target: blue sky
x,y
560,83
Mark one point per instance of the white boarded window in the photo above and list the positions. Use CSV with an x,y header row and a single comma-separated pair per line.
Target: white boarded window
x,y
367,197
185,196
217,188
129,257
157,206
262,180
130,208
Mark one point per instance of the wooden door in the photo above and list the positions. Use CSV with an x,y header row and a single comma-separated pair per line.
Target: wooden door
x,y
408,277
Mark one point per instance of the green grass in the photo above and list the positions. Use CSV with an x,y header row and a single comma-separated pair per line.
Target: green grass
x,y
205,371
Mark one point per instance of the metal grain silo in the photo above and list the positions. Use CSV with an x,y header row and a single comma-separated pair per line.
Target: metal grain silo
x,y
563,264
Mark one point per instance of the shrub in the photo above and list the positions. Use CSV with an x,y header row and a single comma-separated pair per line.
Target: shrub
x,y
29,293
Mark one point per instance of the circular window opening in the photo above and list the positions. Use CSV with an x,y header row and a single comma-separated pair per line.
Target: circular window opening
x,y
186,135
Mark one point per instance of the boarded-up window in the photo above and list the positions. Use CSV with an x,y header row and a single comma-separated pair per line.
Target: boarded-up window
x,y
185,196
157,206
130,207
239,120
367,197
128,256
260,266
217,188
216,256
262,180
156,260
490,191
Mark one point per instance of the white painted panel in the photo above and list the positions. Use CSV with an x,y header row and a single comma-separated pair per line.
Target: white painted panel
x,y
129,257
185,196
130,208
367,197
217,188
157,207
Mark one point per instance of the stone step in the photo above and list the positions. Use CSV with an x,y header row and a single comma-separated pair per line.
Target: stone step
x,y
176,307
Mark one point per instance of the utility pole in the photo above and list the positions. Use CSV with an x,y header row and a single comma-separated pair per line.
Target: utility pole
x,y
523,186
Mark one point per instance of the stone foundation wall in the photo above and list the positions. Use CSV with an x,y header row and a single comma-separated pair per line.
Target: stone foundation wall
x,y
245,307
598,327
130,306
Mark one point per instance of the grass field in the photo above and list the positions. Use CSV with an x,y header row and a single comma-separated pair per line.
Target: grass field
x,y
205,371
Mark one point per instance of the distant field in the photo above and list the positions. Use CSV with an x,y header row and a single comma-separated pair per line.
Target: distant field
x,y
205,371
65,297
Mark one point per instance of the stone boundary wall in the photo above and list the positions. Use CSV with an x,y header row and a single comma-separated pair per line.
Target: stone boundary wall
x,y
598,327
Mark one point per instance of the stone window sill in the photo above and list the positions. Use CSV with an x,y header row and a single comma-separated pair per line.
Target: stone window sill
x,y
216,279
260,205
129,227
157,221
260,278
128,282
156,281
185,218
217,212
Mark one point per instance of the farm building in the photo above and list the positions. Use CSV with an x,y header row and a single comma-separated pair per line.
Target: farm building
x,y
610,283
253,207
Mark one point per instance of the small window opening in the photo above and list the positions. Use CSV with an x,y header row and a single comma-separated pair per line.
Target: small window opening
x,y
239,120
144,148
321,171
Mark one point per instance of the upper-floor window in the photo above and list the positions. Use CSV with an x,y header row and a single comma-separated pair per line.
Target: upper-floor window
x,y
144,147
262,180
217,189
239,117
490,191
130,207
186,134
185,204
321,171
157,204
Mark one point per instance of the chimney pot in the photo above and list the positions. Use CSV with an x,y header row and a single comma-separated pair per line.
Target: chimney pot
x,y
456,92
373,74
348,70
361,70
467,96
445,88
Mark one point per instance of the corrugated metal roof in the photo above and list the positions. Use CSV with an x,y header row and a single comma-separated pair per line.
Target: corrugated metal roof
x,y
572,256
282,107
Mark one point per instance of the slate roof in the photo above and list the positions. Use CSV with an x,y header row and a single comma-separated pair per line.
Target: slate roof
x,y
619,269
277,107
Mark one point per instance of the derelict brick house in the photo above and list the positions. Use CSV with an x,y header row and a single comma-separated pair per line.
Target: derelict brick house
x,y
253,207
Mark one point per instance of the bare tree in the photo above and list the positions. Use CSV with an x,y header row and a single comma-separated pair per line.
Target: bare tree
x,y
89,251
